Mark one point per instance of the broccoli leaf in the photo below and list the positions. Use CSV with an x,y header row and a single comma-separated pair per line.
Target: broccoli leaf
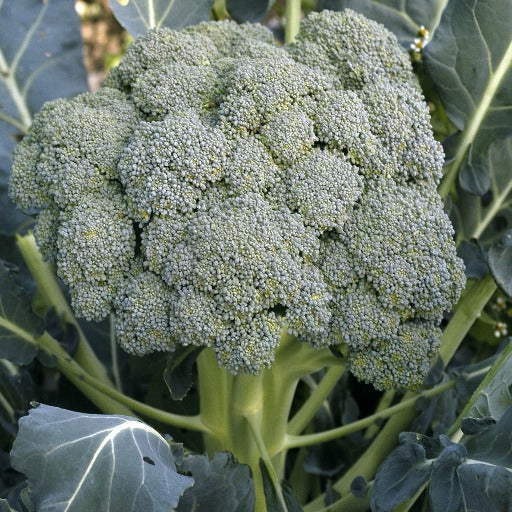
x,y
220,484
478,472
486,218
470,61
273,502
38,62
400,476
81,462
178,373
496,396
248,10
404,19
5,507
139,16
500,262
16,311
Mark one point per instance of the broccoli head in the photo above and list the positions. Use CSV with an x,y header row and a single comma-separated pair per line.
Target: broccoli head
x,y
220,188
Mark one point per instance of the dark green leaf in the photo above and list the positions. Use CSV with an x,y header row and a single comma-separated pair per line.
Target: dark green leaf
x,y
399,478
359,487
139,16
16,321
272,500
178,373
248,10
472,426
483,480
474,258
79,462
445,493
470,60
500,262
17,388
404,19
493,445
221,484
495,398
65,332
40,59
487,218
486,488
5,507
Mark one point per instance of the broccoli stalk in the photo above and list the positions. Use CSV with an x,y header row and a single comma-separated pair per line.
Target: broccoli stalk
x,y
244,413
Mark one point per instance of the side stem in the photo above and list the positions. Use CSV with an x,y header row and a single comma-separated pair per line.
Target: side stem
x,y
52,294
293,15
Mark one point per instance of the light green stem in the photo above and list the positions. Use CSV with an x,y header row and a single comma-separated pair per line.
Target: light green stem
x,y
76,374
51,292
106,398
293,441
307,412
385,401
293,15
468,310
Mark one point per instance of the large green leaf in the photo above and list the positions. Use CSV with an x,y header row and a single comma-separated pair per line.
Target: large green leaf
x,y
477,473
16,321
248,10
40,59
470,61
403,17
139,16
487,218
82,462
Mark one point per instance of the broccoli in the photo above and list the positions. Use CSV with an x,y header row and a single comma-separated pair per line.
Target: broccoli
x,y
220,188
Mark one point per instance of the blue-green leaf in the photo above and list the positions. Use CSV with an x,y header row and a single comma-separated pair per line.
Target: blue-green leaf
x,y
248,10
400,476
40,60
487,218
139,16
470,61
178,373
495,398
403,17
17,321
221,484
445,493
5,507
81,462
500,262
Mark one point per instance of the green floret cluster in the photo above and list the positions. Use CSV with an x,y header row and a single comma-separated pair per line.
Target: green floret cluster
x,y
220,188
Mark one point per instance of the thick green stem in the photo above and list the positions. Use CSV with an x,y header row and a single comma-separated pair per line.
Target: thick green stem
x,y
52,294
468,310
214,394
293,15
470,307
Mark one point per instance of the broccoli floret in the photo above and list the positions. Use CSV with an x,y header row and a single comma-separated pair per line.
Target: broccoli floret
x,y
142,310
221,187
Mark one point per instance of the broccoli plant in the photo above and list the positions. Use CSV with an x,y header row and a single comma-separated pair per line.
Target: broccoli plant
x,y
271,223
